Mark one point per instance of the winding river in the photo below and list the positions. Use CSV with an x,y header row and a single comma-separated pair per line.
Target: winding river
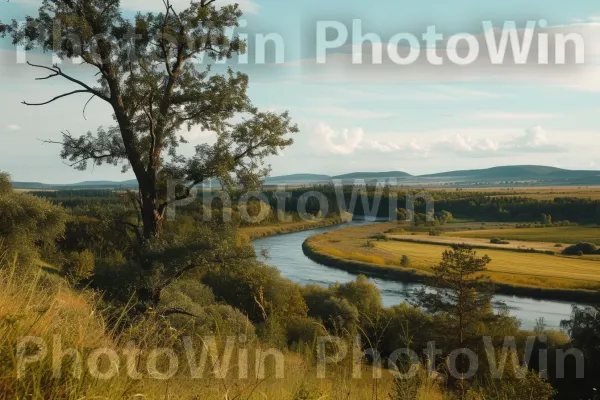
x,y
285,253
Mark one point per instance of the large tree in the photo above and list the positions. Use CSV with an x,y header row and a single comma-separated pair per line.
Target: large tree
x,y
146,72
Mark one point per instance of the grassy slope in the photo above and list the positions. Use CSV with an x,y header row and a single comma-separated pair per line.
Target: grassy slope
x,y
44,307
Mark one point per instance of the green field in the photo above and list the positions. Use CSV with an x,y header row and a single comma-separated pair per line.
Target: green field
x,y
560,234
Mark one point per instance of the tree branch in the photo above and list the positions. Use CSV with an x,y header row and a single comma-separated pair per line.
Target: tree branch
x,y
56,71
180,311
57,98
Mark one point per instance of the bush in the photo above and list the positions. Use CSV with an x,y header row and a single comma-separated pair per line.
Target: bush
x,y
26,223
336,314
369,244
405,261
80,266
380,236
498,241
361,293
302,330
558,245
435,232
580,249
256,289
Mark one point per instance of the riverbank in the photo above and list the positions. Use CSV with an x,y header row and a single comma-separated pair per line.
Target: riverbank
x,y
351,250
259,232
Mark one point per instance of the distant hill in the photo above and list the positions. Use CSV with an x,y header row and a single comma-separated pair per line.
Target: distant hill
x,y
546,175
129,183
298,177
515,172
374,175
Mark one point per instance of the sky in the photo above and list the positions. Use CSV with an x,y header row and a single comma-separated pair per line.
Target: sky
x,y
419,118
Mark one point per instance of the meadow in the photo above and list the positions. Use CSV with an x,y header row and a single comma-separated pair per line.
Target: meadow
x,y
557,234
374,245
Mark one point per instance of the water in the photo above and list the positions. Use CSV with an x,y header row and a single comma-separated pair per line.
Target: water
x,y
285,253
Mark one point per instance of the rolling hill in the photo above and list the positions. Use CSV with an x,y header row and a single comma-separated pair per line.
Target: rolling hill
x,y
513,173
374,175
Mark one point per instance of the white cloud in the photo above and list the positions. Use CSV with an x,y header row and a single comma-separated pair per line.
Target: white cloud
x,y
345,142
13,127
472,142
248,6
535,140
460,143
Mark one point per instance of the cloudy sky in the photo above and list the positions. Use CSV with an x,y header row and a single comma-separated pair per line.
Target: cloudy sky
x,y
418,118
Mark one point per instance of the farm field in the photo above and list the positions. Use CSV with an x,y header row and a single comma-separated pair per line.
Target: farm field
x,y
507,266
456,238
559,234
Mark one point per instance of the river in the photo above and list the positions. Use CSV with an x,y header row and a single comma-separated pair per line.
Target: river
x,y
285,253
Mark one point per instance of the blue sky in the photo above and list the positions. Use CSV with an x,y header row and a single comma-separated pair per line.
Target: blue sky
x,y
390,117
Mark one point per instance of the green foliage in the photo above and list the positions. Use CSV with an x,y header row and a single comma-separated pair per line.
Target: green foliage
x,y
511,387
435,232
302,330
362,294
498,241
338,315
369,244
154,89
80,266
256,289
580,249
460,292
27,223
405,261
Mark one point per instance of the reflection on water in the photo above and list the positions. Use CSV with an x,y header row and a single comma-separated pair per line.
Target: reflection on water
x,y
285,253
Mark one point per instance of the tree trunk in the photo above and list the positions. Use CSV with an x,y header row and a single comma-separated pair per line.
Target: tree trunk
x,y
151,218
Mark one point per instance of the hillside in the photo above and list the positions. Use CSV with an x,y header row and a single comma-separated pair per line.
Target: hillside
x,y
516,172
374,175
549,175
298,177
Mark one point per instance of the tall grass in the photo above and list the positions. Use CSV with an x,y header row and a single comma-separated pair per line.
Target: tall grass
x,y
41,305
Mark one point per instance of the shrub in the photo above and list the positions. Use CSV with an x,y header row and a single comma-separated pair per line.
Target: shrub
x,y
80,266
255,289
336,314
302,330
580,249
362,294
369,244
435,232
27,222
498,241
558,245
405,261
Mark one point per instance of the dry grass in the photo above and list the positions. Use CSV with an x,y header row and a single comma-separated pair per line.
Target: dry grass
x,y
43,306
508,267
256,232
559,234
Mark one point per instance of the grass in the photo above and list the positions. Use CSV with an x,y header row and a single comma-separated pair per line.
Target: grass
x,y
559,234
45,307
514,268
256,232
